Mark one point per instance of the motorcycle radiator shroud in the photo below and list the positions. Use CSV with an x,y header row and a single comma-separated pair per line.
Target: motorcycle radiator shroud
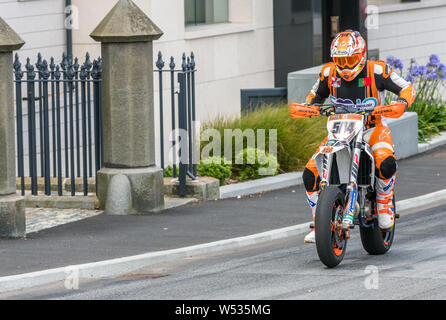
x,y
342,133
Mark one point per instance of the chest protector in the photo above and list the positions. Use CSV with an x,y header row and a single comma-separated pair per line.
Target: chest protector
x,y
369,90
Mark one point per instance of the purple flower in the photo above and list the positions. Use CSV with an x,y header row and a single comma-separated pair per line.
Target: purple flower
x,y
434,59
410,78
441,71
417,70
421,71
431,76
390,60
395,62
433,70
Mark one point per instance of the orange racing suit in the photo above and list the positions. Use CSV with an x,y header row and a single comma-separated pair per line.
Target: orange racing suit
x,y
368,87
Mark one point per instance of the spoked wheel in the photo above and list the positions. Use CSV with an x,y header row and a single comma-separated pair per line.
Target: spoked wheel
x,y
330,242
376,240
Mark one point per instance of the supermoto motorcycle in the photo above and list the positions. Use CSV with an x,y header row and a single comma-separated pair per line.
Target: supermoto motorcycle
x,y
347,182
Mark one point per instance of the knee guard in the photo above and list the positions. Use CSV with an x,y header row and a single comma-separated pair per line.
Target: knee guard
x,y
311,182
387,168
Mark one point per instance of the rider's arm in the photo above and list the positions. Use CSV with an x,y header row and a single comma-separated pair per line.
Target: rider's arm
x,y
387,79
320,90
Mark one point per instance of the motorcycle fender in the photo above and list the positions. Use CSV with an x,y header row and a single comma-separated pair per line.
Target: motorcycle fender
x,y
343,161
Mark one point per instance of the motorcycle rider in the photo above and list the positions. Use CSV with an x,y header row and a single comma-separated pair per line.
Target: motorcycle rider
x,y
352,79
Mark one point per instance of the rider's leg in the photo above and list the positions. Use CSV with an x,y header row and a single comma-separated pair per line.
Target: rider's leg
x,y
386,169
311,181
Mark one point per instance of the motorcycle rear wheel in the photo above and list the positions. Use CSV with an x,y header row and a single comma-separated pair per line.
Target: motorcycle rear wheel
x,y
375,240
329,241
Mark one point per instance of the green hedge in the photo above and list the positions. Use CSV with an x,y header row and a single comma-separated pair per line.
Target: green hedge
x,y
255,164
297,139
215,167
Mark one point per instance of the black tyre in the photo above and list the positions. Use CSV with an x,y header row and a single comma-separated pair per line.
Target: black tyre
x,y
329,241
375,240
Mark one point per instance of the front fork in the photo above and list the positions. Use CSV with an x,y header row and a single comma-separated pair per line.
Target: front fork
x,y
352,206
352,188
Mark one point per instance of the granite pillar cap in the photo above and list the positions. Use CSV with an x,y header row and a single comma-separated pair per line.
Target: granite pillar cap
x,y
9,39
126,22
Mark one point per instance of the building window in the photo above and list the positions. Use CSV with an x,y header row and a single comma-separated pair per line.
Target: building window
x,y
206,12
385,2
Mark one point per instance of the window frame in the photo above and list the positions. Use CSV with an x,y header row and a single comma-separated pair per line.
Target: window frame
x,y
208,13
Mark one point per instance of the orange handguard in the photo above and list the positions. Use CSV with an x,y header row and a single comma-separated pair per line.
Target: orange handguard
x,y
299,111
394,110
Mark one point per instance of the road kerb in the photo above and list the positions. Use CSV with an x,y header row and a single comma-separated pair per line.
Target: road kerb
x,y
122,266
423,202
434,143
278,182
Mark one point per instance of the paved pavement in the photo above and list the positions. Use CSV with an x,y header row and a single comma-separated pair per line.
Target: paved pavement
x,y
38,219
105,237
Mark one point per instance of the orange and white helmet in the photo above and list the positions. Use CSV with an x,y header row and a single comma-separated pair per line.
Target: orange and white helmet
x,y
348,51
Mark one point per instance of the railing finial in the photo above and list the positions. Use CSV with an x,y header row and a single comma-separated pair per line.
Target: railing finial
x,y
184,64
192,61
18,68
160,63
45,72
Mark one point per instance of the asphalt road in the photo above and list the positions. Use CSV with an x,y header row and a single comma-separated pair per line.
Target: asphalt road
x,y
106,237
415,268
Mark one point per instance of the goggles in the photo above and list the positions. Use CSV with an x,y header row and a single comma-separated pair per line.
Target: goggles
x,y
350,61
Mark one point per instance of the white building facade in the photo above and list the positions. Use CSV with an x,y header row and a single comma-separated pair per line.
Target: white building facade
x,y
235,53
234,41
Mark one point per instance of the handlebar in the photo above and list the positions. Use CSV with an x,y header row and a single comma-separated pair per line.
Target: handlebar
x,y
394,110
336,108
303,111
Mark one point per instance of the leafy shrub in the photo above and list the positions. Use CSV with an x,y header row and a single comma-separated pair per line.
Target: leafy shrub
x,y
428,80
297,139
168,172
254,164
431,118
216,167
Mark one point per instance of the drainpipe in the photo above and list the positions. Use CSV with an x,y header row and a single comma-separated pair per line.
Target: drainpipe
x,y
69,31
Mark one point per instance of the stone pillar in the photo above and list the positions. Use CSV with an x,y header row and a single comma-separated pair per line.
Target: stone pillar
x,y
126,35
12,208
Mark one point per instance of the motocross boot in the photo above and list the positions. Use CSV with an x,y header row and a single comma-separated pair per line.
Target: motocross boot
x,y
312,198
384,204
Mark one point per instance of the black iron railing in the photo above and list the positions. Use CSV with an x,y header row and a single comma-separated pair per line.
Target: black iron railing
x,y
59,122
62,132
185,115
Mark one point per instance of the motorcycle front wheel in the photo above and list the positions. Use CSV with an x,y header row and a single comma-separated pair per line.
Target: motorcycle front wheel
x,y
375,240
330,243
